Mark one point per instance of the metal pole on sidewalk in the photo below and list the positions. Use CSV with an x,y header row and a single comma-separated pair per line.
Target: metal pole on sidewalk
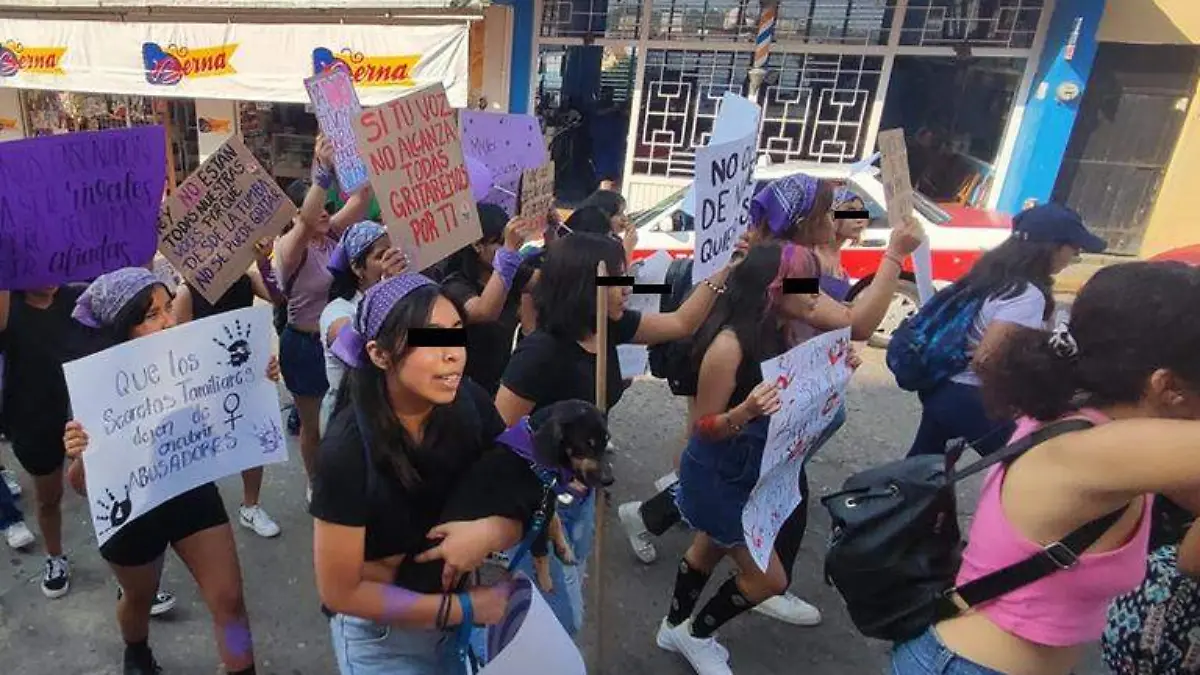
x,y
762,46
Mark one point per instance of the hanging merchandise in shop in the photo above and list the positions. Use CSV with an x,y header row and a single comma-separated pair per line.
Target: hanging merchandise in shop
x,y
260,62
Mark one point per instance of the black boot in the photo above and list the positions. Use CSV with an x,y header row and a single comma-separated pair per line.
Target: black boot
x,y
139,660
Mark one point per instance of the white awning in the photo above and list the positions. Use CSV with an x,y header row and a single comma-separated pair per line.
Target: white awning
x,y
350,5
245,62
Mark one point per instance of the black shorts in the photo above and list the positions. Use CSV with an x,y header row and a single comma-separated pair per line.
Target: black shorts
x,y
144,540
40,450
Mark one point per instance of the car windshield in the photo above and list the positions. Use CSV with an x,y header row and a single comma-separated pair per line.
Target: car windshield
x,y
651,214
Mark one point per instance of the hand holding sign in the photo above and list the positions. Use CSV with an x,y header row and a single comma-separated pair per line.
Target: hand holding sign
x,y
898,192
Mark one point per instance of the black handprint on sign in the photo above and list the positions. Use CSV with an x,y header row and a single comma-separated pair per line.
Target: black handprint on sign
x,y
238,344
116,511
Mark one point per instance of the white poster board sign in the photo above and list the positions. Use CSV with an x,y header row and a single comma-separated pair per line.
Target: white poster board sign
x,y
530,639
172,411
724,187
898,191
635,359
812,379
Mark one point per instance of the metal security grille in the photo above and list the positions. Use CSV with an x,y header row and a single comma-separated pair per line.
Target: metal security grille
x,y
981,23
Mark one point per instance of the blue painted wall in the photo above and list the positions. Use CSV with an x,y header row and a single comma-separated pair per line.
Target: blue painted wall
x,y
521,56
1046,127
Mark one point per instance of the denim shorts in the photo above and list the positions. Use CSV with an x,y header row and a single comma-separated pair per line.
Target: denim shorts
x,y
926,655
363,647
302,360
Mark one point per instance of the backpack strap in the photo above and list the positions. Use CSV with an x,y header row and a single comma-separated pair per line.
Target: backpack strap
x,y
1059,555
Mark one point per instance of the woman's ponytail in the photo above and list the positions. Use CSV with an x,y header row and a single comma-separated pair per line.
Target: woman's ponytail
x,y
1031,372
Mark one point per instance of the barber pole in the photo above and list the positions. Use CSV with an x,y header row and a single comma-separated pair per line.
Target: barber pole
x,y
762,45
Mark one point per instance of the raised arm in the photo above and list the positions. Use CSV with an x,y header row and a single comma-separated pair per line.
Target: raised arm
x,y
659,328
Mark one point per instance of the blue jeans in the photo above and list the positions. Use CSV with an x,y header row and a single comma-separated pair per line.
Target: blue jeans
x,y
579,521
955,410
926,655
10,513
363,647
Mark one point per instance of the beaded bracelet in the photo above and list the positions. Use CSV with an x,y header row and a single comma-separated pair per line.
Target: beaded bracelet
x,y
719,290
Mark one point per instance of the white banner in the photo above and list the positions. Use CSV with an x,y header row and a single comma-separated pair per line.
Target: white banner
x,y
244,62
812,379
172,411
724,187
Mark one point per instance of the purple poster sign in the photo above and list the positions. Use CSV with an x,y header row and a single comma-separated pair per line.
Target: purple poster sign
x,y
506,144
75,206
335,103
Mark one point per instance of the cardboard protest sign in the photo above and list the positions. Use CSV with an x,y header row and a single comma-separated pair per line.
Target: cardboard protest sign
x,y
530,639
75,206
208,227
812,379
172,411
537,191
724,187
898,192
415,162
635,359
335,104
507,144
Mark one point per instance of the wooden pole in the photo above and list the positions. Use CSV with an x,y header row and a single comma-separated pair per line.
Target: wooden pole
x,y
601,495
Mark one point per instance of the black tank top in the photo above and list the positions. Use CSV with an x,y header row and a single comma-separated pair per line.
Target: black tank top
x,y
239,296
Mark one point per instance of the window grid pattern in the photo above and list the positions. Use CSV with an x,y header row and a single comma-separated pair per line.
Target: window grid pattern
x,y
981,23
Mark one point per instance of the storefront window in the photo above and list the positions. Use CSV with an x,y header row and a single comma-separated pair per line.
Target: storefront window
x,y
281,136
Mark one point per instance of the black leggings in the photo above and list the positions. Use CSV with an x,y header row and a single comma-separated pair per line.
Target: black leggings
x,y
660,514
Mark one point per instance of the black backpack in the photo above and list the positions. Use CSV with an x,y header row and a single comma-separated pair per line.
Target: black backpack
x,y
895,545
672,361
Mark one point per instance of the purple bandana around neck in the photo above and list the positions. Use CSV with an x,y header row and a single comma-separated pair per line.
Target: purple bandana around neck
x,y
104,299
519,438
784,201
357,240
374,308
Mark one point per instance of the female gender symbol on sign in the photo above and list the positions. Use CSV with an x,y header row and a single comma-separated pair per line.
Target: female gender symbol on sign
x,y
232,402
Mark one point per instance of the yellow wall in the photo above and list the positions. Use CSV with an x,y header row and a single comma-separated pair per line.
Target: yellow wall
x,y
1173,220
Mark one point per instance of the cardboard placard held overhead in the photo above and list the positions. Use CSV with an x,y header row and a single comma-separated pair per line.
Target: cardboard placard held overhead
x,y
507,145
898,192
208,227
415,163
537,191
335,104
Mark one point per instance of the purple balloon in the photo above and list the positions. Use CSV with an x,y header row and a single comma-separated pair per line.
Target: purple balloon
x,y
481,178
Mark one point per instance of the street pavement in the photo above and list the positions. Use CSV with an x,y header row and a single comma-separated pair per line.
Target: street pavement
x,y
76,635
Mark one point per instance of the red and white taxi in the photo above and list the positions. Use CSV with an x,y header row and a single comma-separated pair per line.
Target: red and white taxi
x,y
958,235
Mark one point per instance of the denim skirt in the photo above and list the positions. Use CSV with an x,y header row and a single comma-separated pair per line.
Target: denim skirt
x,y
715,481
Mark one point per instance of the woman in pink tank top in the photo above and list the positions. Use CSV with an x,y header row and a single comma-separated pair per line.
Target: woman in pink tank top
x,y
302,256
1127,362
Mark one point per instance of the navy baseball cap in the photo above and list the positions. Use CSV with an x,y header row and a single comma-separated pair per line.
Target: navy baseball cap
x,y
1056,224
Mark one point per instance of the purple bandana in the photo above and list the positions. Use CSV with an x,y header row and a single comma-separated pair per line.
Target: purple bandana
x,y
104,299
519,438
784,201
358,238
374,308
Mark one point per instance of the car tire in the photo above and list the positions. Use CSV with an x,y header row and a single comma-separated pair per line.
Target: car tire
x,y
905,302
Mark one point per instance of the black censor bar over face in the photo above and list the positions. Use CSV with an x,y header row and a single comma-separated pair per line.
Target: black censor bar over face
x,y
805,286
437,337
851,215
638,289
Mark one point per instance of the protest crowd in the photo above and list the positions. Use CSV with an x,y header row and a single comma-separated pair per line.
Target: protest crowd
x,y
450,360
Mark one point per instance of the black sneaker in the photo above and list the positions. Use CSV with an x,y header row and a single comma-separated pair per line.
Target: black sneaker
x,y
56,577
163,602
140,662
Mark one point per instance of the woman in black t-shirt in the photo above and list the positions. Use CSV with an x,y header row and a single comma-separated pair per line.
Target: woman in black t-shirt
x,y
121,306
557,362
408,431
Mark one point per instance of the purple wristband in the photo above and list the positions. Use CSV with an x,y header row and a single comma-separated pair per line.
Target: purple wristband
x,y
505,263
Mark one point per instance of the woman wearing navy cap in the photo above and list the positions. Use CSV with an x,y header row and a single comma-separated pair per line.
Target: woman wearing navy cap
x,y
1015,281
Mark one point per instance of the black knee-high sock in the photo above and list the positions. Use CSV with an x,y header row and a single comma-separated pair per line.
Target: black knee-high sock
x,y
689,583
724,606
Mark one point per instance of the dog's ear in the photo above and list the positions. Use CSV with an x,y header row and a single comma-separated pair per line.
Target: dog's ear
x,y
548,442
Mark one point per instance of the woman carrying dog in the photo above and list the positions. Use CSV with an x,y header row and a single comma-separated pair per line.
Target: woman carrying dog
x,y
558,361
408,431
121,306
1126,361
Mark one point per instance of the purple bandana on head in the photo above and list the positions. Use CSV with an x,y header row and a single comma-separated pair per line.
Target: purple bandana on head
x,y
358,239
784,201
104,299
374,308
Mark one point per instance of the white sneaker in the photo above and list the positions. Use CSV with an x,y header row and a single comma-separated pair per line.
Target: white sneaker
x,y
56,577
10,479
18,535
635,530
666,481
790,609
667,643
308,495
707,656
255,518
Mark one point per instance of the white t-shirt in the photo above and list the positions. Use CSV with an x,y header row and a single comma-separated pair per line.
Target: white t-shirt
x,y
337,309
1026,309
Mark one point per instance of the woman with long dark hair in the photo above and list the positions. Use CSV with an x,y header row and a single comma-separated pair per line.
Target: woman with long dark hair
x,y
1126,362
121,306
408,430
1015,283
